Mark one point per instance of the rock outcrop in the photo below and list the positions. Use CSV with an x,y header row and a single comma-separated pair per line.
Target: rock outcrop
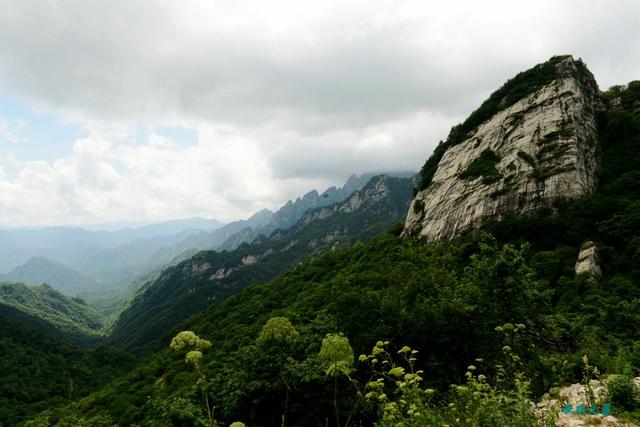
x,y
373,194
292,211
577,394
588,262
540,148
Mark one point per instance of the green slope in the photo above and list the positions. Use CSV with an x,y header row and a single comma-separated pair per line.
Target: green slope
x,y
50,311
192,285
37,372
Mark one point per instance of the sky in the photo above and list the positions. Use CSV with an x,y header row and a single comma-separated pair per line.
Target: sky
x,y
144,111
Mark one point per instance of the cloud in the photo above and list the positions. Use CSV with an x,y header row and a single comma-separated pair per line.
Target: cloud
x,y
227,173
283,96
313,65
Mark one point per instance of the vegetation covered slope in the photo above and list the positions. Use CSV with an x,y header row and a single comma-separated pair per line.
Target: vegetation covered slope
x,y
192,285
37,372
52,312
444,300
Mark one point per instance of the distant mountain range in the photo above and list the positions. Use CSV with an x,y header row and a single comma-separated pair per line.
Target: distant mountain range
x,y
40,270
73,246
107,267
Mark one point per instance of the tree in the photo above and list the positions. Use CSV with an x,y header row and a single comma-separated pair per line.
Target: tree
x,y
189,340
336,356
276,338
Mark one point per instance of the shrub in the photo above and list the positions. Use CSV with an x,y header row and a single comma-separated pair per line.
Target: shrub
x,y
623,392
483,166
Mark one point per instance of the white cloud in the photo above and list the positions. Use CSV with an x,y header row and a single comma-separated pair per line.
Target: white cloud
x,y
285,96
227,173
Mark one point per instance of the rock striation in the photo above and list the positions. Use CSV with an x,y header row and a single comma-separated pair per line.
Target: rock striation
x,y
540,148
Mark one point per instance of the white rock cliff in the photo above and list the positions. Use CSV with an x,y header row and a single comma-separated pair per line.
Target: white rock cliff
x,y
544,147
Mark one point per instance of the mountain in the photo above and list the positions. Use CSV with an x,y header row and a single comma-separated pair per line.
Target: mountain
x,y
170,227
38,372
118,266
212,240
503,318
50,311
71,245
246,235
289,214
39,270
209,276
265,221
96,265
534,141
292,211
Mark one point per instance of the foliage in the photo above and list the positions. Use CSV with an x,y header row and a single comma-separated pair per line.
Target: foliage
x,y
50,311
336,355
406,403
178,411
623,392
402,400
183,409
187,339
38,373
483,166
277,331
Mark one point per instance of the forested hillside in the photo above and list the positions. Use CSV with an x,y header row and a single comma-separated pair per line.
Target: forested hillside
x,y
50,311
209,276
37,372
504,317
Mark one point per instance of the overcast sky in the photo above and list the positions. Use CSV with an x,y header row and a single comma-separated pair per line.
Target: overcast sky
x,y
151,110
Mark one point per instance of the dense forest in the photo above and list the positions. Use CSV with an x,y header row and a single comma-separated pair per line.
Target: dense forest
x,y
52,312
38,372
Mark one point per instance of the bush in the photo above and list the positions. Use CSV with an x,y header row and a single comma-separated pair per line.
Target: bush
x,y
483,166
623,392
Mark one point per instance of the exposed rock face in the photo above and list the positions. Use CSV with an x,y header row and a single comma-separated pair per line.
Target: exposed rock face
x,y
588,262
539,149
249,260
291,212
375,192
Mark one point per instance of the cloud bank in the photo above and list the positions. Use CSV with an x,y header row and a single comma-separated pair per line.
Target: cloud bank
x,y
283,97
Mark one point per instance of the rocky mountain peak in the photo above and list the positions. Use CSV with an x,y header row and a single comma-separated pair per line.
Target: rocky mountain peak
x,y
532,142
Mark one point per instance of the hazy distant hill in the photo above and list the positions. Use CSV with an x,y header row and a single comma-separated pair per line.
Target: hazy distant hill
x,y
213,239
39,270
71,245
